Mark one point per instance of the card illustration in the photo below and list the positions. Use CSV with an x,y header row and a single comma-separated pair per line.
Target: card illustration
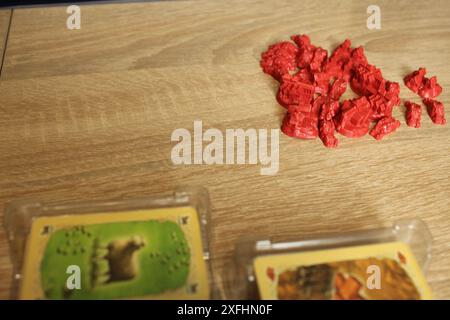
x,y
342,274
153,254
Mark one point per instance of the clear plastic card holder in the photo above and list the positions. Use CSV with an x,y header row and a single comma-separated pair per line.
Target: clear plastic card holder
x,y
240,274
20,215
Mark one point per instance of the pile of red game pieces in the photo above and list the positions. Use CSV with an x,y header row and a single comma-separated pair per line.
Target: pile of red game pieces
x,y
311,84
428,90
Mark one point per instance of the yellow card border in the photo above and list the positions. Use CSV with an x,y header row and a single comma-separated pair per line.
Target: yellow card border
x,y
30,287
285,260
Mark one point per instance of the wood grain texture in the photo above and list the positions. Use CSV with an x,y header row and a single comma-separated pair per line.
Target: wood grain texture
x,y
88,114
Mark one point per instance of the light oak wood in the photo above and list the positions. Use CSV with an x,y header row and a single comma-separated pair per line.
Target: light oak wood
x,y
88,114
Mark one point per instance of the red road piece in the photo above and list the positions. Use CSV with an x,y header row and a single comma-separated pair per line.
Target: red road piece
x,y
435,111
337,89
318,104
393,92
384,127
326,133
319,59
326,124
279,59
354,118
413,114
329,109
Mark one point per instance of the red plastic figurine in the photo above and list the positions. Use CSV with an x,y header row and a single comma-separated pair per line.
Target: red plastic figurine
x,y
354,118
384,127
311,84
294,91
435,111
430,88
414,80
299,124
279,59
424,87
413,114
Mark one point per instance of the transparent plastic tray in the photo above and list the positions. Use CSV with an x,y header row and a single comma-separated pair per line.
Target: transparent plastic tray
x,y
19,217
240,275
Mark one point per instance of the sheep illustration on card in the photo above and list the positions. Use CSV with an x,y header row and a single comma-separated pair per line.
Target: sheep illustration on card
x,y
118,255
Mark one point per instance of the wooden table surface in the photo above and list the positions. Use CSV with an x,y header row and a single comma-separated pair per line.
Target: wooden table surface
x,y
88,114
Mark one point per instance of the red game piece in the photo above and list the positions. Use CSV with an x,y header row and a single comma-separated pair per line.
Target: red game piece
x,y
430,88
354,118
303,75
424,87
326,133
414,80
342,53
305,50
338,63
293,91
393,93
319,59
321,83
413,114
383,127
311,85
435,111
302,41
381,107
317,106
359,57
337,89
367,80
309,56
279,59
300,125
329,109
301,121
